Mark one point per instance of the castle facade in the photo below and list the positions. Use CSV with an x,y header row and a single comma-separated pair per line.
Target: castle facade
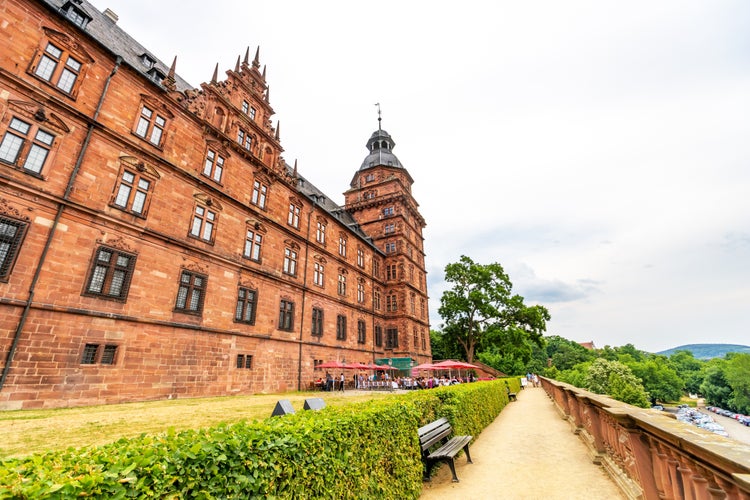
x,y
154,242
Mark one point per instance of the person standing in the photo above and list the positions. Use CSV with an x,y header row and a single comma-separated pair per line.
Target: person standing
x,y
329,382
342,381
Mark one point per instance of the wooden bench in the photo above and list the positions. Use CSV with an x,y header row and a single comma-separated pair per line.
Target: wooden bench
x,y
437,434
511,395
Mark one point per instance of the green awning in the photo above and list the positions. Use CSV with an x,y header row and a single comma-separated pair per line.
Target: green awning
x,y
399,363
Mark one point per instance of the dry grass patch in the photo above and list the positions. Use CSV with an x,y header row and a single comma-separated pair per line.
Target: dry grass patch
x,y
30,431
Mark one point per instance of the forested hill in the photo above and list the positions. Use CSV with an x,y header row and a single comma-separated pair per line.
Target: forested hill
x,y
707,351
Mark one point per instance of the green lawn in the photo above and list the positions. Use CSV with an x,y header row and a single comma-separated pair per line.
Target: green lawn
x,y
29,431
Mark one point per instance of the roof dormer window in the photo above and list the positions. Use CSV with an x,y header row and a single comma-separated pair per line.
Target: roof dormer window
x,y
148,61
75,14
156,75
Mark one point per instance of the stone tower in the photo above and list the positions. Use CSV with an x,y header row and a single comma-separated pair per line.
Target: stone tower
x,y
381,201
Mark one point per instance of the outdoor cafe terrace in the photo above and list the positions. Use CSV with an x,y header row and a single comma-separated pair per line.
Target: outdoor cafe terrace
x,y
389,375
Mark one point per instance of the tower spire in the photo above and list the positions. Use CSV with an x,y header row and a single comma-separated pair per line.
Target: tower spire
x,y
379,117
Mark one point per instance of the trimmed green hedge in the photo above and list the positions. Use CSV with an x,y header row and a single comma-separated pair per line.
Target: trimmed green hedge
x,y
364,450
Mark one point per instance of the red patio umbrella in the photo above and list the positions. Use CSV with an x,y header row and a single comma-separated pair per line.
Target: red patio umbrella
x,y
449,364
425,366
332,364
357,366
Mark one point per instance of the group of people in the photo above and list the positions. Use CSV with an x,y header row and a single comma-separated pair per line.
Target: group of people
x,y
361,381
530,378
329,384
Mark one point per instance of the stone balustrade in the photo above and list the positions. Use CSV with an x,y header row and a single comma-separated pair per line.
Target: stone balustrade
x,y
651,455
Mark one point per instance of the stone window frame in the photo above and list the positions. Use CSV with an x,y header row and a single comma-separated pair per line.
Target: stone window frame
x,y
98,354
25,145
259,195
316,328
215,162
66,50
187,282
391,302
10,243
341,283
205,216
247,300
378,334
295,209
319,268
376,297
361,290
321,224
151,116
361,331
244,361
391,337
105,272
141,172
286,315
291,258
252,248
343,242
340,327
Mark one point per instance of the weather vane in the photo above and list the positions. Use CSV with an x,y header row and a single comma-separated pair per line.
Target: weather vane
x,y
379,118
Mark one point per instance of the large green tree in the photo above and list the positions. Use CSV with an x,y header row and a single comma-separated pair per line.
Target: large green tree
x,y
715,387
660,380
481,304
617,381
738,375
689,369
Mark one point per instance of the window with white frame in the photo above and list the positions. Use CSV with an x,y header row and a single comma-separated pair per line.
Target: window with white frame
x,y
320,232
26,146
203,225
213,165
318,273
342,245
293,215
253,242
260,192
290,261
361,291
58,67
132,192
150,125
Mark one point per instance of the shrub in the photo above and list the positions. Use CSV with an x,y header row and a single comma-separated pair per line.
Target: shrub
x,y
364,450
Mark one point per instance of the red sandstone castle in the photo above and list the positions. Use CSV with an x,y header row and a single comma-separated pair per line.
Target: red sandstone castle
x,y
155,244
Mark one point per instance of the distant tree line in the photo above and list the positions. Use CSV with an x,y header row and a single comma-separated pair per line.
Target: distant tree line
x,y
484,320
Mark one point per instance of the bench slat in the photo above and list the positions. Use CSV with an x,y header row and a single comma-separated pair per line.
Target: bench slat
x,y
450,448
438,432
428,440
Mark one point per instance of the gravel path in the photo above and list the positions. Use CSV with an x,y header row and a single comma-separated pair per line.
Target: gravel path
x,y
528,452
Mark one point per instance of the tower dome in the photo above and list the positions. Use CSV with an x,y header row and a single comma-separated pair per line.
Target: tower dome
x,y
380,145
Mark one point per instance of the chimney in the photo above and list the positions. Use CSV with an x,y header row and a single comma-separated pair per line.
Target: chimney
x,y
111,15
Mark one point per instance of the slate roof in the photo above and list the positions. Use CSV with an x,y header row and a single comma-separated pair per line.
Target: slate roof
x,y
105,31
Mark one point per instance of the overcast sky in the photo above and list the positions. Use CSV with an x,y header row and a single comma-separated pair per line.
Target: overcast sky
x,y
597,150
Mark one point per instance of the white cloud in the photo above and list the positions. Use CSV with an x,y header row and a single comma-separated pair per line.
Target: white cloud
x,y
596,149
